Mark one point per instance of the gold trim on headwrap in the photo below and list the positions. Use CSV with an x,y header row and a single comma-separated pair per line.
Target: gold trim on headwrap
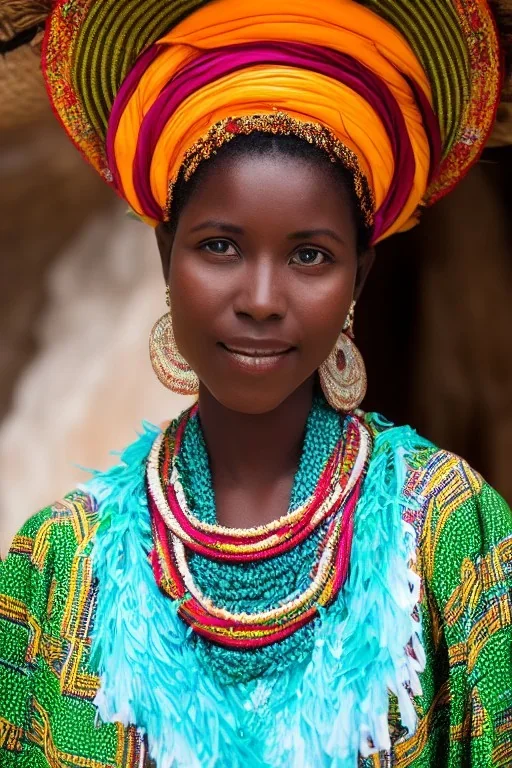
x,y
280,123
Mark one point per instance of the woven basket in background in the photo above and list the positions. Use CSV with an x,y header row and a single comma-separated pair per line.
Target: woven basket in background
x,y
22,93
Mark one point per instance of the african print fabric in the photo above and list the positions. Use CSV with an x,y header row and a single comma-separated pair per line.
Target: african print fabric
x,y
49,597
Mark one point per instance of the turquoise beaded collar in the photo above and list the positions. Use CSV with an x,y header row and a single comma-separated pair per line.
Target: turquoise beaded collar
x,y
260,585
330,707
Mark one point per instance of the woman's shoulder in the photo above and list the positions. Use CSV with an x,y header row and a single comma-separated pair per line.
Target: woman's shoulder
x,y
432,472
463,533
47,572
56,535
53,535
457,515
466,526
71,522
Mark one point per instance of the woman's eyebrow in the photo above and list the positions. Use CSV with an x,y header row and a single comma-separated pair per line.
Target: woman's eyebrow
x,y
225,226
304,234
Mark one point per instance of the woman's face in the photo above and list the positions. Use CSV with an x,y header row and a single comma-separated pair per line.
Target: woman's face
x,y
262,273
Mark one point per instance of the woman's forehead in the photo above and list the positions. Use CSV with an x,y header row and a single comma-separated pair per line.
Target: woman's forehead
x,y
264,189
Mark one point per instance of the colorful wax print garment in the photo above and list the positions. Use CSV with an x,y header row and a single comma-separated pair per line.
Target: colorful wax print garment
x,y
97,670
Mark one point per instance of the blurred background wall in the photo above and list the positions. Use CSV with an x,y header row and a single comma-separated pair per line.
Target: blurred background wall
x,y
82,286
436,322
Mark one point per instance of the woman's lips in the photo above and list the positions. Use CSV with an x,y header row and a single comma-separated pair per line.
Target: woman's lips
x,y
257,360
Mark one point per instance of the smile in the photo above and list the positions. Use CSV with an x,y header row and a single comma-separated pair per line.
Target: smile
x,y
258,352
257,359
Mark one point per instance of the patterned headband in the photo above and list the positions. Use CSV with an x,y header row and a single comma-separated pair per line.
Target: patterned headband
x,y
403,94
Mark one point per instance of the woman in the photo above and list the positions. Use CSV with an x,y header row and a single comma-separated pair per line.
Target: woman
x,y
278,578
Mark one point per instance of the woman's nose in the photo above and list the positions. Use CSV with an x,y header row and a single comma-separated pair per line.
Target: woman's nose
x,y
261,295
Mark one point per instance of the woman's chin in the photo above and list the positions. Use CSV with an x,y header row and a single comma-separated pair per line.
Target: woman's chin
x,y
249,405
248,399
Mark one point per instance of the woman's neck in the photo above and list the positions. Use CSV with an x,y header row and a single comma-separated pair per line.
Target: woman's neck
x,y
255,452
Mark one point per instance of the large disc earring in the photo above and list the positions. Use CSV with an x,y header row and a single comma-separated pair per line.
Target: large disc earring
x,y
343,374
169,365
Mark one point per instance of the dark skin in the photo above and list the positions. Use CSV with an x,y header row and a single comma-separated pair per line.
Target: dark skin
x,y
264,254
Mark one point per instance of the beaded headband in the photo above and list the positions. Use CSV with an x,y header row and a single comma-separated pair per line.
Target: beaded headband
x,y
279,124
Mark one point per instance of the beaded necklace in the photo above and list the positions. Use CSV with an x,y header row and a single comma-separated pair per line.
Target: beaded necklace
x,y
263,583
327,513
313,698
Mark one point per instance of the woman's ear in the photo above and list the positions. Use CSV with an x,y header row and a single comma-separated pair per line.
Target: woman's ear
x,y
164,240
365,263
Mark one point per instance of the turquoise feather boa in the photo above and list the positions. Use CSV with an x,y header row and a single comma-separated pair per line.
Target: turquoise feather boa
x,y
323,713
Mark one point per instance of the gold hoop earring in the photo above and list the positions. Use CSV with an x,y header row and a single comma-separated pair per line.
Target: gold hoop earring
x,y
343,374
170,366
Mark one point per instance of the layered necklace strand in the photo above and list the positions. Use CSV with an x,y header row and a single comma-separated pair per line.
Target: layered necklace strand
x,y
176,529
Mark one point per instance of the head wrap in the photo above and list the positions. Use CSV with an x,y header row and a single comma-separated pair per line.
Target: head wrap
x,y
403,94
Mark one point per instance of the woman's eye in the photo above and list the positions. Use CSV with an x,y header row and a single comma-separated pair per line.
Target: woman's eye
x,y
220,247
310,257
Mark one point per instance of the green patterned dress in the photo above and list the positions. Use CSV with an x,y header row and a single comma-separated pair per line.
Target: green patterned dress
x,y
49,594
